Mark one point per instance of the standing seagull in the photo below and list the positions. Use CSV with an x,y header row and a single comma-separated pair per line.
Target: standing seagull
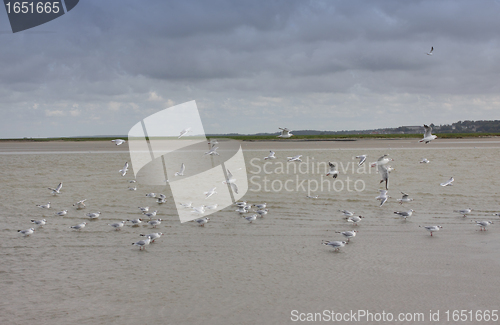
x,y
430,52
251,218
39,223
348,234
483,224
56,190
118,141
184,132
333,170
404,198
404,214
428,137
181,172
124,170
143,243
272,155
117,225
46,206
448,182
79,226
202,221
231,181
354,219
26,232
383,197
285,133
432,228
335,244
362,159
464,211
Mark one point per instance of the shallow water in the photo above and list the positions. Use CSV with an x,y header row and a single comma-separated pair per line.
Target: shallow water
x,y
233,272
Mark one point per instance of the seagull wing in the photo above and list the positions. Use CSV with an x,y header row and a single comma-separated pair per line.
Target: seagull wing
x,y
59,187
428,131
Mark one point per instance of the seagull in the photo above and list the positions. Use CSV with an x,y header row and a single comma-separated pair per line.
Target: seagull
x,y
383,197
26,232
354,219
294,158
118,141
161,200
404,214
181,171
117,225
424,161
135,222
335,244
430,52
285,133
124,170
483,224
94,215
153,195
56,190
210,193
144,209
154,223
382,161
428,137
347,213
362,159
212,151
62,213
404,198
272,155
333,170
312,197
464,211
45,206
260,206
242,209
448,183
39,223
241,204
202,221
231,181
186,205
384,173
80,204
432,228
79,226
143,243
162,196
251,218
262,213
153,236
132,188
184,132
199,210
132,181
213,141
211,207
150,214
348,234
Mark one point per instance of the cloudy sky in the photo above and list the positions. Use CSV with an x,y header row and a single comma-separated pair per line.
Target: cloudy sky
x,y
251,66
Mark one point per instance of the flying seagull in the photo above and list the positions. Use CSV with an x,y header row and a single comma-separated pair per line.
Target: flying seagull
x,y
285,133
181,171
56,190
362,159
448,182
383,197
231,181
118,141
272,155
333,170
124,170
428,137
404,198
430,52
184,132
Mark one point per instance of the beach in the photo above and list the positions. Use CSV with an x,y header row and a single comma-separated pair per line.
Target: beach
x,y
271,271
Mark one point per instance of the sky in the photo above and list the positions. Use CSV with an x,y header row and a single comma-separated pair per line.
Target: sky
x,y
251,66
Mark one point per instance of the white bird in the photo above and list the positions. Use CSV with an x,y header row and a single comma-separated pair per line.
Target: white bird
x,y
117,225
186,205
80,204
404,214
242,209
153,195
231,181
285,133
448,182
202,221
153,236
382,161
132,188
212,151
424,161
312,197
464,211
210,193
383,197
260,206
181,171
333,170
132,181
483,224
39,223
199,210
212,206
404,198
26,232
79,226
56,190
135,222
262,213
347,213
348,234
335,244
162,196
362,159
62,213
154,223
144,209
241,204
272,155
118,141
45,206
430,52
384,173
250,218
432,229
184,132
294,158
143,243
161,200
124,170
428,137
150,214
213,141
94,215
354,219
